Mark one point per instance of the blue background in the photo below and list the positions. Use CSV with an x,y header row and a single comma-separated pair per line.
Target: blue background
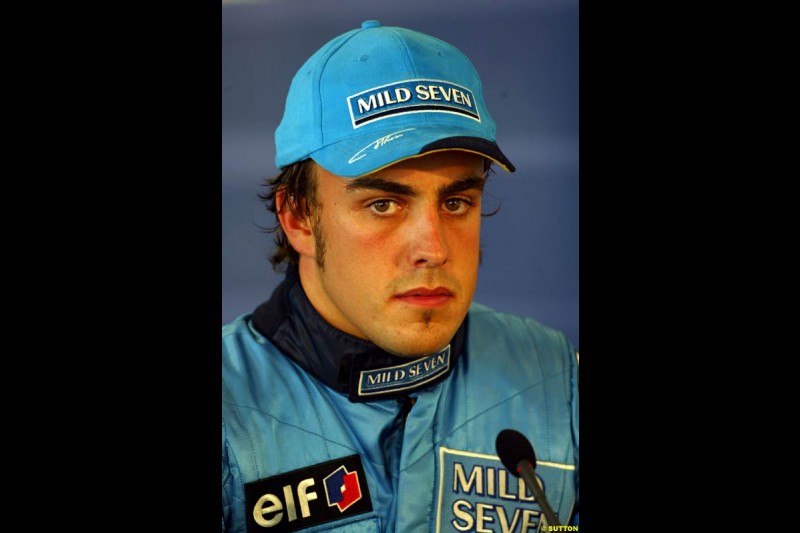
x,y
526,52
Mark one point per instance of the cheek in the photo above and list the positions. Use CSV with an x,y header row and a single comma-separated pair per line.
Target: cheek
x,y
466,239
352,236
357,256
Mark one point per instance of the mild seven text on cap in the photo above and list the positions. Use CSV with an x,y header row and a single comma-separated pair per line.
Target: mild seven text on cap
x,y
411,96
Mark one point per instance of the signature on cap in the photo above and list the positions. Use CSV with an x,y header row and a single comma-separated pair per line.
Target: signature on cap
x,y
377,144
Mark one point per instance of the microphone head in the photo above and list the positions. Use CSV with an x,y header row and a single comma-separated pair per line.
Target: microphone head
x,y
512,447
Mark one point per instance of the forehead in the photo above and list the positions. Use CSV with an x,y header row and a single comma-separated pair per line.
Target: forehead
x,y
449,164
444,162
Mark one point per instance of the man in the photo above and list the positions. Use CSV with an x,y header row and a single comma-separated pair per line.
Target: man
x,y
368,392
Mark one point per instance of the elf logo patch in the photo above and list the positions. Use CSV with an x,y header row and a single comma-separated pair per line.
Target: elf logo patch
x,y
293,500
342,489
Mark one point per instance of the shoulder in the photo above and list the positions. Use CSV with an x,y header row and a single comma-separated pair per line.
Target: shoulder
x,y
518,341
246,356
240,338
253,368
236,327
492,326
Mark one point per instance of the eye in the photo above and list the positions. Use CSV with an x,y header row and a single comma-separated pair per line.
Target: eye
x,y
457,206
384,207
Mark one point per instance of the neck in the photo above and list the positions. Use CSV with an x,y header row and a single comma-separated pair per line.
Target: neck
x,y
345,363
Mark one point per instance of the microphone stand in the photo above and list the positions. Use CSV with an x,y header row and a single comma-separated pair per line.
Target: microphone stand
x,y
525,470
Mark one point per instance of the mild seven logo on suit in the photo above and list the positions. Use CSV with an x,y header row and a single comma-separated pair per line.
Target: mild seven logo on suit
x,y
412,96
404,377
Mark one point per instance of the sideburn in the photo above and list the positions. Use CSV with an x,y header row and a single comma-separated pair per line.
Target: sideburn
x,y
319,239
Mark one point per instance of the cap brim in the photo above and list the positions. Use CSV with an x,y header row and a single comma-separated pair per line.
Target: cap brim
x,y
373,151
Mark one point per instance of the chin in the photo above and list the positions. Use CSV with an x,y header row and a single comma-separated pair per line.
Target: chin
x,y
419,347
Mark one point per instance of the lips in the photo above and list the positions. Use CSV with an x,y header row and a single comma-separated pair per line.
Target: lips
x,y
425,297
422,291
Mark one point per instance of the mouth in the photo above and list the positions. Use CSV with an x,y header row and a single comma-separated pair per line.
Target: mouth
x,y
425,297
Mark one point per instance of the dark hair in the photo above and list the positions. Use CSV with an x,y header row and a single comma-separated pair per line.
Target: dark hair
x,y
299,180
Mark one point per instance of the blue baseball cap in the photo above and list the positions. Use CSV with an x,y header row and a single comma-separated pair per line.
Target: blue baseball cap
x,y
379,94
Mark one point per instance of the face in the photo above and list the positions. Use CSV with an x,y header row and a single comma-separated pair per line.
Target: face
x,y
401,251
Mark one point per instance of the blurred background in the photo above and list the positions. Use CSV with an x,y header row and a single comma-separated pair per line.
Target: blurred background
x,y
526,52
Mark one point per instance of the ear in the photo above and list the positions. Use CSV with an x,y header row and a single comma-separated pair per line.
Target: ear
x,y
297,229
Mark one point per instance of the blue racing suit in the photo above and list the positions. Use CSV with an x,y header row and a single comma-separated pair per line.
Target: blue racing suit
x,y
322,431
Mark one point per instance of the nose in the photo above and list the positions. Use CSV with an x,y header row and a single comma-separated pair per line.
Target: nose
x,y
428,242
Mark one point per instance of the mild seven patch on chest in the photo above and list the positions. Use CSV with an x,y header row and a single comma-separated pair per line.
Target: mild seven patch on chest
x,y
477,493
412,96
393,379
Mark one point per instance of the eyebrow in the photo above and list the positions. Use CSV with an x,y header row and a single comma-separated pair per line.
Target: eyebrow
x,y
465,184
382,184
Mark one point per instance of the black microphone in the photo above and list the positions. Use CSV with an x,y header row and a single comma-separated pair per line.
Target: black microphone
x,y
516,453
